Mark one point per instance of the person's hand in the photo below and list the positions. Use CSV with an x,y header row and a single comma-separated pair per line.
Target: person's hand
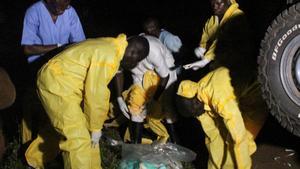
x,y
95,137
197,65
123,107
140,117
199,52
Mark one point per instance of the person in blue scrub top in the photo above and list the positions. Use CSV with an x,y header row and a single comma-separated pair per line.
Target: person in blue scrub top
x,y
48,24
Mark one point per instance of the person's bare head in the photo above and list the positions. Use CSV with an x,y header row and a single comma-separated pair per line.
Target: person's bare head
x,y
151,27
57,7
219,7
137,50
189,107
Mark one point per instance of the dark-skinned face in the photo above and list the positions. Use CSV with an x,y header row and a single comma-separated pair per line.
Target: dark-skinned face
x,y
189,107
133,55
57,7
219,7
152,28
131,58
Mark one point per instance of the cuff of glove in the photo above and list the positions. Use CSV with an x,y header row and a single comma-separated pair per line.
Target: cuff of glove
x,y
199,52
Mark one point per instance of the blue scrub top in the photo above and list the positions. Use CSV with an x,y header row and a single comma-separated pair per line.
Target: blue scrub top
x,y
39,28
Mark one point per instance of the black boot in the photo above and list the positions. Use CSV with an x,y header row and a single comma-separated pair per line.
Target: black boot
x,y
172,132
136,132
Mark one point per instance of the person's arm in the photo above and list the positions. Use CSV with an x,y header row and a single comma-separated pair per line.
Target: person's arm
x,y
31,42
97,94
209,34
119,83
77,33
30,50
161,87
162,69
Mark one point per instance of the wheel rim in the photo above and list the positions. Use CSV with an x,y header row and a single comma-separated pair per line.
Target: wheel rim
x,y
290,70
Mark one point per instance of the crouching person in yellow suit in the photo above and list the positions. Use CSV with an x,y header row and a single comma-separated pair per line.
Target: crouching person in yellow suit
x,y
213,102
137,97
73,88
153,81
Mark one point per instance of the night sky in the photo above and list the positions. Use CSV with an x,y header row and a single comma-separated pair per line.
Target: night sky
x,y
109,18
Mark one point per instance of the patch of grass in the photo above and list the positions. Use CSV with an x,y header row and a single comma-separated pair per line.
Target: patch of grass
x,y
11,159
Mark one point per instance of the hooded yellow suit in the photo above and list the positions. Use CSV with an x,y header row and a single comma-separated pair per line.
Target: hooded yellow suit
x,y
211,28
228,141
73,88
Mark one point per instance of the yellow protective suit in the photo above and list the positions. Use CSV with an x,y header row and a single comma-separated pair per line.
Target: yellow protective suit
x,y
138,96
73,88
210,31
229,143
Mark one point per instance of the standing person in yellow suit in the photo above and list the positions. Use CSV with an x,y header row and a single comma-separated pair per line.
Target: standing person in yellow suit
x,y
227,101
224,11
73,88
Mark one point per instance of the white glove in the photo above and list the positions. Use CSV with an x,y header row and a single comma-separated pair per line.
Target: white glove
x,y
199,52
123,107
95,137
197,65
139,118
58,45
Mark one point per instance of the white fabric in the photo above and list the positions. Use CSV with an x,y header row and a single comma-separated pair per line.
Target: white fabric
x,y
159,59
123,107
95,137
172,42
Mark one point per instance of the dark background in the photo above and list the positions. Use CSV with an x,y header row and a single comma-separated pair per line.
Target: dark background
x,y
109,18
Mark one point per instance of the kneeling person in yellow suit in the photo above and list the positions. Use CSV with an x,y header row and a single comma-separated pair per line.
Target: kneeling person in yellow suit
x,y
73,88
213,102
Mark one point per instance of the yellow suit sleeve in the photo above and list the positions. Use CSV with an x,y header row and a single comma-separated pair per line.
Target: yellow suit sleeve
x,y
97,94
208,40
204,37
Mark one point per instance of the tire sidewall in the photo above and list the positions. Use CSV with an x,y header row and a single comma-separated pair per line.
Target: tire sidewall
x,y
278,54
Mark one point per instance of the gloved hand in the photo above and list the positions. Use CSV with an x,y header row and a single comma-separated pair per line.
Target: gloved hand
x,y
123,107
197,65
95,137
199,52
140,117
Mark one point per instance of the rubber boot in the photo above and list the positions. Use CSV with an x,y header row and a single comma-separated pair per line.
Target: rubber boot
x,y
136,132
172,132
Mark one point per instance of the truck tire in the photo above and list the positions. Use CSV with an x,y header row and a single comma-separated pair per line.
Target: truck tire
x,y
279,68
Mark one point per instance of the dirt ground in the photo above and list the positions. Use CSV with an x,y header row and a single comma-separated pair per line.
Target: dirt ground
x,y
276,148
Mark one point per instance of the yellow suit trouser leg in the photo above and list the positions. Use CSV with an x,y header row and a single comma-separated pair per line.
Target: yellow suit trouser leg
x,y
158,128
68,119
42,150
